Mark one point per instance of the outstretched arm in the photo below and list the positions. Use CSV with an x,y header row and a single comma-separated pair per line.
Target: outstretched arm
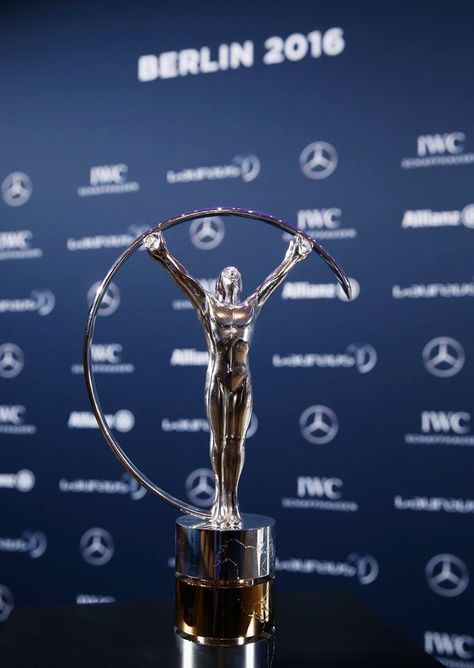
x,y
298,249
192,288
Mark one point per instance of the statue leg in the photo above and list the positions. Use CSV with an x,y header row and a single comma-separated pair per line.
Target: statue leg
x,y
217,415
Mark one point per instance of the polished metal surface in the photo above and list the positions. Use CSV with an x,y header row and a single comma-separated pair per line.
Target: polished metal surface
x,y
258,654
228,324
239,554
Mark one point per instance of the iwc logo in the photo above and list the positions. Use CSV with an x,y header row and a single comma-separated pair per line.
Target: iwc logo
x,y
318,160
16,189
108,180
97,546
443,357
319,425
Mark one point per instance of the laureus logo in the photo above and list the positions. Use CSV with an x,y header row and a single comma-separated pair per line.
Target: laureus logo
x,y
319,425
207,233
32,543
39,301
318,160
245,167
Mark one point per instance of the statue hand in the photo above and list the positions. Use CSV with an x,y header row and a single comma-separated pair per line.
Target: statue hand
x,y
155,243
299,248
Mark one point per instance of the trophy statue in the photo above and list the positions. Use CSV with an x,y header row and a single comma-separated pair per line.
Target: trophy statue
x,y
224,559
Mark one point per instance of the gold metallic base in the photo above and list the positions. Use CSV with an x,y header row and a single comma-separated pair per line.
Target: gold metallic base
x,y
224,613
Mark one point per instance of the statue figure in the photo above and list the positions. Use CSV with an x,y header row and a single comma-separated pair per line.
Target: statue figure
x,y
228,324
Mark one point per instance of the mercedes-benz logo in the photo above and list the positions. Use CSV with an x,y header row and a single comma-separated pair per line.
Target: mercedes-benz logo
x,y
97,546
200,487
110,301
318,424
447,575
366,565
207,233
12,360
318,160
443,356
16,189
7,603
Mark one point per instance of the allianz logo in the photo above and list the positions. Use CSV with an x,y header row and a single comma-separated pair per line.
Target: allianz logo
x,y
362,567
325,222
108,180
452,649
420,218
93,599
23,481
319,493
193,425
189,357
209,284
123,420
362,357
126,485
106,358
32,543
101,241
40,301
434,504
12,420
245,167
432,290
17,245
306,290
443,427
440,149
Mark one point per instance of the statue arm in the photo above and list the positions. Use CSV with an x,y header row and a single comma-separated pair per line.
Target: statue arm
x,y
156,246
298,249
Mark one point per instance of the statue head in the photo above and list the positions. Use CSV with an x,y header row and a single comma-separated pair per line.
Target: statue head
x,y
229,284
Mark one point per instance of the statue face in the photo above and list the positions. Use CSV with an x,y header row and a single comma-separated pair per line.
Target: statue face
x,y
229,283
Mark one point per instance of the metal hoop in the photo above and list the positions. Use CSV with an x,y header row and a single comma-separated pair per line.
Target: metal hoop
x,y
90,325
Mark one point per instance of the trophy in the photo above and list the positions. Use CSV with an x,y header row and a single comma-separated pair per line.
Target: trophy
x,y
224,559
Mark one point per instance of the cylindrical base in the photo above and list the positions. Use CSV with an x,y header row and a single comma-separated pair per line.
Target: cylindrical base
x,y
224,580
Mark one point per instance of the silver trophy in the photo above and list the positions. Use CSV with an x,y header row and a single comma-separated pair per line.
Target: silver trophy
x,y
224,559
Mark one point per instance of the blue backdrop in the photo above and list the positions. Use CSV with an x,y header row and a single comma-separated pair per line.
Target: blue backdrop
x,y
351,120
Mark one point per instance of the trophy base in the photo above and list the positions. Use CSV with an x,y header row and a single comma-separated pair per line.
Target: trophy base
x,y
224,581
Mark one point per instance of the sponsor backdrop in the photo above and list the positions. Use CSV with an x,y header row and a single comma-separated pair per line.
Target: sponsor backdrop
x,y
354,122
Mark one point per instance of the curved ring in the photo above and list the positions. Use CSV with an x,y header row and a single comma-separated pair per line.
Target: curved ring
x,y
90,324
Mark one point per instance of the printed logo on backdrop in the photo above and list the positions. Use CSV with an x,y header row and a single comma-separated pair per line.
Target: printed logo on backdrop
x,y
318,160
110,301
193,425
323,224
447,575
125,486
453,650
433,290
39,301
362,357
18,245
103,241
318,493
97,546
441,149
207,233
184,304
233,56
12,360
443,356
94,599
200,487
108,180
434,504
363,567
12,420
123,420
306,290
16,189
106,358
7,603
422,218
23,481
32,543
319,425
443,428
244,167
